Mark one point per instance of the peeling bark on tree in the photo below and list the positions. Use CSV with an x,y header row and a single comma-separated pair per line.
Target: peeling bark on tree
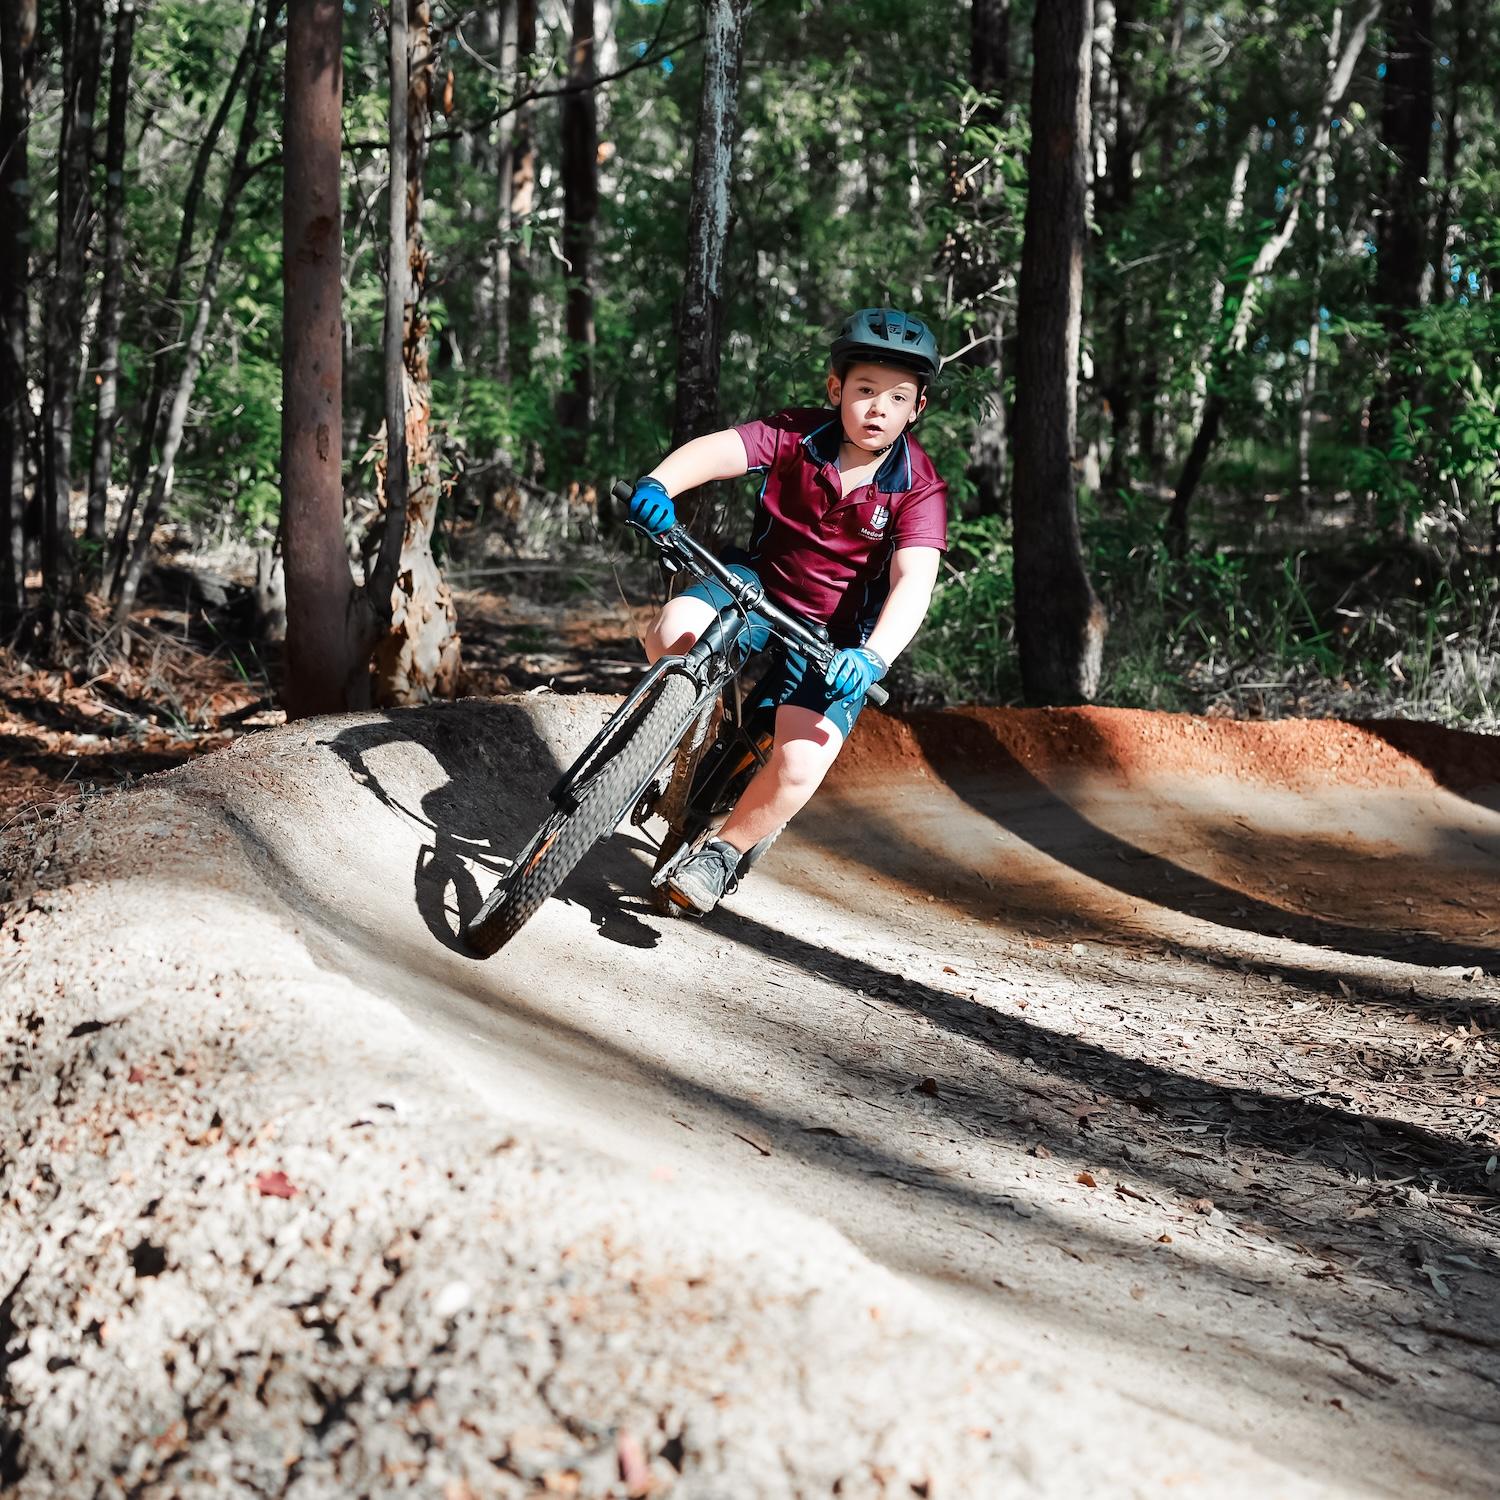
x,y
110,299
416,654
18,20
324,665
1060,624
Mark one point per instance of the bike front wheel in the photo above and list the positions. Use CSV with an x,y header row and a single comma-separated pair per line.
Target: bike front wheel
x,y
604,799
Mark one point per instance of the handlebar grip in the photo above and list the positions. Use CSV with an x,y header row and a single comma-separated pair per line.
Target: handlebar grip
x,y
622,490
877,695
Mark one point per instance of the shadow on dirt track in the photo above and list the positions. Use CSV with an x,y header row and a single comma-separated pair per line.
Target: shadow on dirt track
x,y
460,819
1061,832
1164,1133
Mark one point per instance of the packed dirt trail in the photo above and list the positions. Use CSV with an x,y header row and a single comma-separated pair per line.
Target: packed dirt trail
x,y
1078,1102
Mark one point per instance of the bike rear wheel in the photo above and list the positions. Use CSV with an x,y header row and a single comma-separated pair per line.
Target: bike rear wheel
x,y
603,800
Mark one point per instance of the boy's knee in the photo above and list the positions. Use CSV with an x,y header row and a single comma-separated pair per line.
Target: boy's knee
x,y
669,637
803,762
677,628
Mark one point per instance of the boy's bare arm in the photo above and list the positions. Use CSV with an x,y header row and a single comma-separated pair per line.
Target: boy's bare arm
x,y
716,455
914,571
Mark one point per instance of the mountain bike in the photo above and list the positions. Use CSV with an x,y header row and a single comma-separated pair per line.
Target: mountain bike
x,y
681,748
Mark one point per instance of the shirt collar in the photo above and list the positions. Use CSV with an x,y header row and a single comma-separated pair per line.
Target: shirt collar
x,y
893,477
823,442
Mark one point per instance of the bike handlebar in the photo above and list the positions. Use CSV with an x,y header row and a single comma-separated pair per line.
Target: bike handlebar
x,y
698,559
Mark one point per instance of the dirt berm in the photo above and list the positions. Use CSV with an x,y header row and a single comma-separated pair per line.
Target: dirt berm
x,y
1080,1103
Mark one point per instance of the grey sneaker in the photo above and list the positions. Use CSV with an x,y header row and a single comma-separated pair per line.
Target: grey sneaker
x,y
703,879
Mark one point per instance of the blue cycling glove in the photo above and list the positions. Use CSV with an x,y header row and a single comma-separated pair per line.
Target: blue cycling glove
x,y
651,507
852,670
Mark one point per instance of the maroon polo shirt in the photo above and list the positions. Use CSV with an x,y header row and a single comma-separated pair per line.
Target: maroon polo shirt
x,y
824,553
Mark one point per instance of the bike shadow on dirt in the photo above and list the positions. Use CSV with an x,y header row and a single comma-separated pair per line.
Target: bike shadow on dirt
x,y
496,769
982,771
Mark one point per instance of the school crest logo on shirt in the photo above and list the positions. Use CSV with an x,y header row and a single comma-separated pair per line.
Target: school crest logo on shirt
x,y
879,520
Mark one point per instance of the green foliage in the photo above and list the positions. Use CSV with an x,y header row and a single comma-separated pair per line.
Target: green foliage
x,y
236,453
868,169
1363,631
966,650
1441,468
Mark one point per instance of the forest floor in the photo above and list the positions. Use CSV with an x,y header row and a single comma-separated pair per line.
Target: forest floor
x,y
1076,1102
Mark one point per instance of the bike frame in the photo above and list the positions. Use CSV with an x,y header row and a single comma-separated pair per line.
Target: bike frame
x,y
714,660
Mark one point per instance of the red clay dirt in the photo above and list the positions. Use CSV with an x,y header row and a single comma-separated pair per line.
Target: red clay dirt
x,y
1123,744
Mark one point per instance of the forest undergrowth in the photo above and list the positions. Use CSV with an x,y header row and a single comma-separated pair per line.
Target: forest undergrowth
x,y
1307,616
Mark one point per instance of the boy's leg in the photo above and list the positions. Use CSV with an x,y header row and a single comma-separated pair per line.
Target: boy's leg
x,y
806,746
684,618
680,623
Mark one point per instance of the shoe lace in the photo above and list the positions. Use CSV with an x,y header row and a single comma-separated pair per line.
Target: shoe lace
x,y
729,857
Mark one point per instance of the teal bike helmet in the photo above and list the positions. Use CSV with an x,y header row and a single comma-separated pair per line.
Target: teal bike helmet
x,y
885,336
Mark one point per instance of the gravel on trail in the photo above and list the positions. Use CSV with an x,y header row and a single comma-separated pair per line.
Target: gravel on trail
x,y
262,1234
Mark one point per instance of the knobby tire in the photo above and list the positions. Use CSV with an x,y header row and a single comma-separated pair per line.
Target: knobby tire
x,y
566,837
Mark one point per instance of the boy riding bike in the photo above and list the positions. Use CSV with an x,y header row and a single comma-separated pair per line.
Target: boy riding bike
x,y
849,529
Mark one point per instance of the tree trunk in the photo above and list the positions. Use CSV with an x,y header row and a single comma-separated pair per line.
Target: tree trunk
x,y
1059,623
1101,99
979,276
505,140
323,663
81,26
580,177
187,377
1401,236
1406,132
107,340
701,311
1234,211
1117,197
1231,349
522,200
1322,177
416,655
1461,49
1314,343
170,339
1149,398
382,576
18,20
